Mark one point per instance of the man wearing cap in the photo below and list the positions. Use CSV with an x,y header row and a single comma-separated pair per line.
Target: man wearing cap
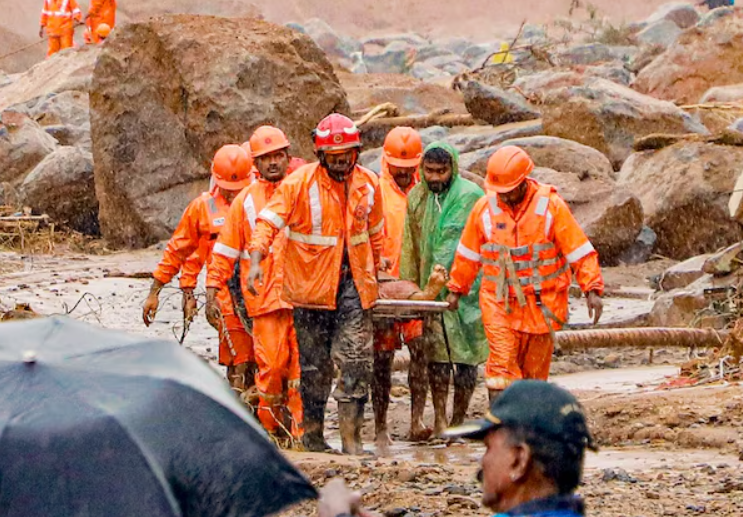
x,y
526,241
535,435
455,343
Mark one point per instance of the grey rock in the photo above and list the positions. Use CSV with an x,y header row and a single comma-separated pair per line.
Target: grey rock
x,y
485,137
456,45
411,39
433,134
595,53
425,72
684,15
372,159
737,125
23,145
62,186
664,32
495,106
433,51
397,58
613,73
639,252
715,14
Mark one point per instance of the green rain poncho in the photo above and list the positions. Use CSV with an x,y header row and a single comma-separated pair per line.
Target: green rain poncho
x,y
433,227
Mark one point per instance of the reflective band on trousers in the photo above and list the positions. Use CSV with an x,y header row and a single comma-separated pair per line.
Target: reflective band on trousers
x,y
315,240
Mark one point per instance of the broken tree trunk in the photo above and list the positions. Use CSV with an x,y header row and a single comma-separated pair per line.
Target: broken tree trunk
x,y
652,337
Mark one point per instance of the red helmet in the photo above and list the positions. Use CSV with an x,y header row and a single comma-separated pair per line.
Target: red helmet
x,y
508,167
231,167
336,133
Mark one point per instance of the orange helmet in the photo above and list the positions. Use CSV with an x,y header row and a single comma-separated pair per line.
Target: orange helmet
x,y
247,148
403,147
508,167
231,168
267,139
103,30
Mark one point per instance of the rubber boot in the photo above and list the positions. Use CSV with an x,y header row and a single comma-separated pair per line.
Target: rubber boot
x,y
359,426
347,422
381,386
313,439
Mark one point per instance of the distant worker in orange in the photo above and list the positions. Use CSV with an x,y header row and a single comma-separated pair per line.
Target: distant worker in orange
x,y
101,12
192,241
332,214
401,158
58,19
275,342
526,240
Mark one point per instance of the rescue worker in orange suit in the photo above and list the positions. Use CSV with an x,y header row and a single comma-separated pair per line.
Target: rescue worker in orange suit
x,y
58,18
333,212
199,227
274,339
401,159
100,12
526,240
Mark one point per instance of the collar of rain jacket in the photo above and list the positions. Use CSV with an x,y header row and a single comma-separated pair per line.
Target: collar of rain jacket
x,y
556,505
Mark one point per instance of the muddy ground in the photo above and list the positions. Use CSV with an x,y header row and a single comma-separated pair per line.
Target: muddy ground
x,y
663,452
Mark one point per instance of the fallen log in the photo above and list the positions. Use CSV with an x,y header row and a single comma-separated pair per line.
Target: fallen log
x,y
374,131
650,337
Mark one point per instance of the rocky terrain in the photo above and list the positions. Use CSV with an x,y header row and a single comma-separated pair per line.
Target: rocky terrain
x,y
630,109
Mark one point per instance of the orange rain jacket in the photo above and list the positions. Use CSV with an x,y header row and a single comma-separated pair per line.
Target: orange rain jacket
x,y
232,245
526,258
325,218
190,247
57,17
101,11
395,203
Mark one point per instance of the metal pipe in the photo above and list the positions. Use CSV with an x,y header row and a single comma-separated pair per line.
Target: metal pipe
x,y
647,337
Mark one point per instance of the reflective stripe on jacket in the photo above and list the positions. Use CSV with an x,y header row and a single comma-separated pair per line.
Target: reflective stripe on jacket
x,y
526,258
324,218
199,227
232,245
58,15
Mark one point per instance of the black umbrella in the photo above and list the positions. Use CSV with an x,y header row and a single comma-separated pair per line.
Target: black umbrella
x,y
95,422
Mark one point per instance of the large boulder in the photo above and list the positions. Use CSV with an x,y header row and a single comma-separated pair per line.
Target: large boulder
x,y
558,154
596,53
729,93
608,117
495,106
329,41
479,137
67,71
701,58
684,189
168,92
65,116
682,14
23,144
663,32
62,186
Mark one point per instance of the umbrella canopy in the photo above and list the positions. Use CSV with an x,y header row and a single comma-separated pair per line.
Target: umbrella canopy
x,y
95,422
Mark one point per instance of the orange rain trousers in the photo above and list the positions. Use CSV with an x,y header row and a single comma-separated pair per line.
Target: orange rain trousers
x,y
513,354
277,356
101,11
235,345
57,43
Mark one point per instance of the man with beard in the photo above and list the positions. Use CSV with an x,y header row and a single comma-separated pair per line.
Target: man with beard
x,y
275,342
332,212
438,208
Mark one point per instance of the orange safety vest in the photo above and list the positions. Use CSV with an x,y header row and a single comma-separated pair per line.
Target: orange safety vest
x,y
57,16
217,213
324,219
232,245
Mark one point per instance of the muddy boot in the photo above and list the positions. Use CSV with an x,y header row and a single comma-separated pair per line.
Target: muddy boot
x,y
381,386
347,420
439,375
313,439
359,426
465,380
418,383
